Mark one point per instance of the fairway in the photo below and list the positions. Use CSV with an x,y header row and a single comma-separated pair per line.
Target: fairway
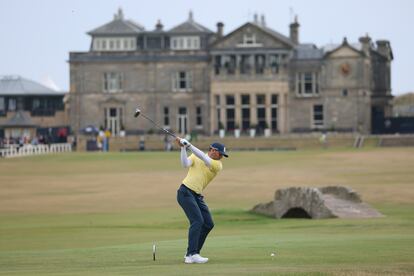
x,y
99,214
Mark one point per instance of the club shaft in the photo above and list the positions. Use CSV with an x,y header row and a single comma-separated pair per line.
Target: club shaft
x,y
163,129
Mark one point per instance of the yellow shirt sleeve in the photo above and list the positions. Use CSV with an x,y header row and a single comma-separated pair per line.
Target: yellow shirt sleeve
x,y
216,166
192,157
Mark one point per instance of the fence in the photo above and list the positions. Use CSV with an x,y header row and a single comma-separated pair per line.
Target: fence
x,y
28,150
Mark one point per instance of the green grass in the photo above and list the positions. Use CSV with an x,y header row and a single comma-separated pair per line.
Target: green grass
x,y
98,228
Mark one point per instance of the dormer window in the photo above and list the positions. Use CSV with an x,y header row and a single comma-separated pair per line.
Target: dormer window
x,y
249,40
114,44
185,43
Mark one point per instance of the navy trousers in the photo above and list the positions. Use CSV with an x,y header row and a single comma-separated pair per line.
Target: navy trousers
x,y
199,217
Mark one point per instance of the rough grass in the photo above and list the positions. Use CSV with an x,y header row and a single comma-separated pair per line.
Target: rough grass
x,y
98,214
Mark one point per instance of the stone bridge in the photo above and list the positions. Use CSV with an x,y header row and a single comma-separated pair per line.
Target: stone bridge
x,y
316,203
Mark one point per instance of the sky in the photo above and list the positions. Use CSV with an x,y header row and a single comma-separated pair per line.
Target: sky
x,y
37,35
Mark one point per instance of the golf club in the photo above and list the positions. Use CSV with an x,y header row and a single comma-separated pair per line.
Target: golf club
x,y
138,112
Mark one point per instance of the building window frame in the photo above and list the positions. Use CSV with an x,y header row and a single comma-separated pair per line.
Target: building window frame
x,y
12,104
261,110
3,110
182,81
307,84
245,112
185,43
274,106
199,117
318,116
166,117
218,111
113,82
230,112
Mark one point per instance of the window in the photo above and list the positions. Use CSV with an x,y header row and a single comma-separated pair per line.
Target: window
x,y
182,81
274,63
261,100
318,116
245,111
273,110
261,111
199,117
230,112
2,107
260,64
229,63
113,82
217,64
36,103
307,84
12,104
249,40
218,111
185,43
114,44
166,117
245,64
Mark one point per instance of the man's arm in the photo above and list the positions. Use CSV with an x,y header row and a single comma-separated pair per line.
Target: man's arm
x,y
204,157
185,161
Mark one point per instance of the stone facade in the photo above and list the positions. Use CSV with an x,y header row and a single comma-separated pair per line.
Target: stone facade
x,y
192,79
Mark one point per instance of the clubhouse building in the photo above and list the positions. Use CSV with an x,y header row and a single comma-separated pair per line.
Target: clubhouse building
x,y
190,78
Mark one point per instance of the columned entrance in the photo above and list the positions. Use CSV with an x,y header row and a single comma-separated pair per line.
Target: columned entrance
x,y
182,121
113,119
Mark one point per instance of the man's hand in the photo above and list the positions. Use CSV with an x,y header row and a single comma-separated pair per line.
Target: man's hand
x,y
177,141
185,143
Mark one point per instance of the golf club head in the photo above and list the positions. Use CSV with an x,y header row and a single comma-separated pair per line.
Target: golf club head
x,y
137,112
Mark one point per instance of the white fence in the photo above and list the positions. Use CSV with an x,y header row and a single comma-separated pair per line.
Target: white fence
x,y
27,150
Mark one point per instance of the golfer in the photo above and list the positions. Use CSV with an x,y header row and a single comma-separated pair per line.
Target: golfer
x,y
202,169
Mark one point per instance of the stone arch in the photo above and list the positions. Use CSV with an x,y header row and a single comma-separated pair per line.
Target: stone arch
x,y
296,212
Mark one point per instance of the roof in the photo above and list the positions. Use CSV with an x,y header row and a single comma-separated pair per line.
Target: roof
x,y
332,47
274,33
118,26
308,51
20,119
16,85
190,26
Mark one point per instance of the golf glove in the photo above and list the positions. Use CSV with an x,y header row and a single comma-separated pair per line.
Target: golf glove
x,y
185,143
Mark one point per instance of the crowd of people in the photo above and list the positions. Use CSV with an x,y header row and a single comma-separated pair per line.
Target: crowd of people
x,y
24,140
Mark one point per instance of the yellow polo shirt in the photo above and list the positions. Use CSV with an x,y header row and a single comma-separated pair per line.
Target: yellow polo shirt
x,y
199,175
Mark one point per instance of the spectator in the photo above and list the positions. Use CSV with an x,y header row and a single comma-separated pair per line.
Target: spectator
x,y
106,140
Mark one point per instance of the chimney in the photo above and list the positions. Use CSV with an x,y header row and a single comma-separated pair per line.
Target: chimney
x,y
190,16
263,20
256,18
366,44
294,31
384,48
119,15
220,27
159,26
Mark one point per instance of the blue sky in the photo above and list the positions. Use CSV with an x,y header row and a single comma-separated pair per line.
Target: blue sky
x,y
37,35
